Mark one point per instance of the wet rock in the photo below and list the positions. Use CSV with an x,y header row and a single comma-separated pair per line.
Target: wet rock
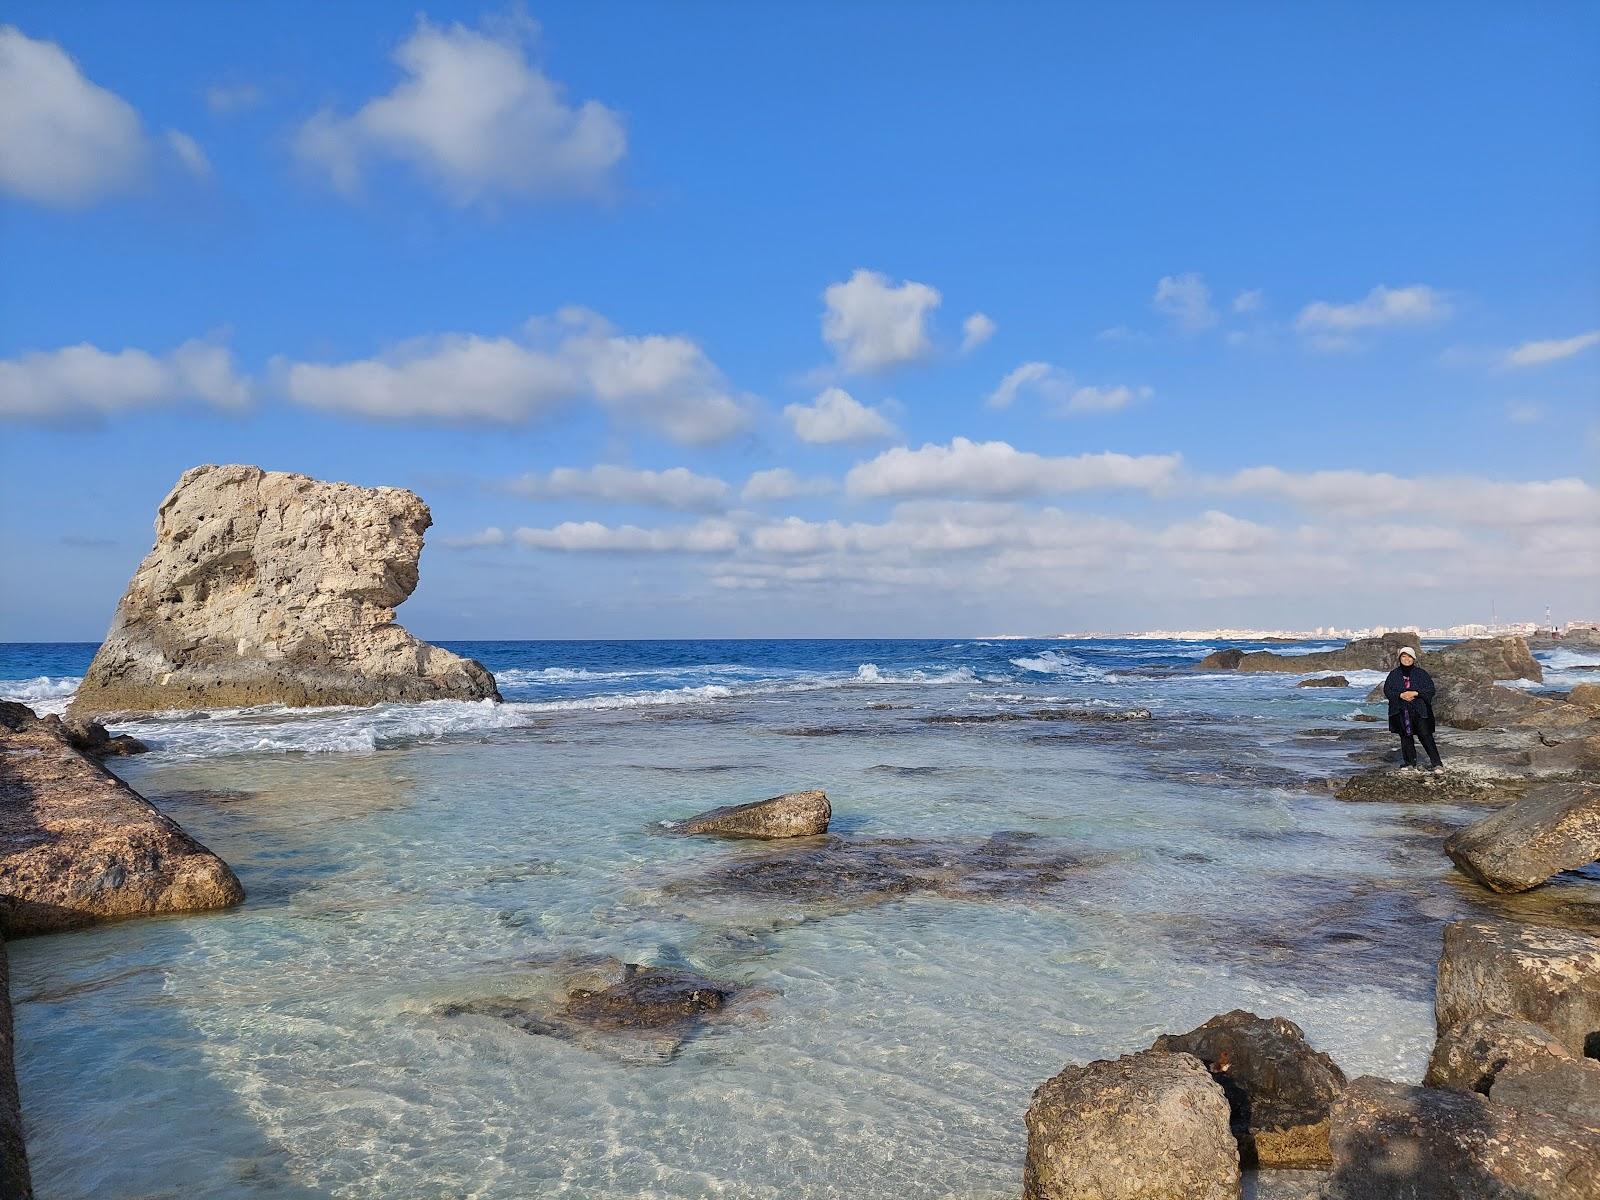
x,y
1223,660
1391,1141
1043,714
1280,1091
1333,681
78,846
794,814
1484,660
1554,828
1561,1086
15,1181
1366,717
1545,975
1363,654
1469,1056
270,588
92,738
1148,1126
1391,785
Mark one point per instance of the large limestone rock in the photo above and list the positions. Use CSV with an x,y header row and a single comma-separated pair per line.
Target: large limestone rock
x,y
1469,1056
1554,828
1474,704
77,845
265,587
1279,1089
1484,660
1564,1087
1391,1142
15,1182
1543,974
794,814
1148,1126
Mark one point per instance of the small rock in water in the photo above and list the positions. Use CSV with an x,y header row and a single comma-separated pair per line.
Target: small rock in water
x,y
1335,681
794,814
1403,785
1548,976
1563,1087
1469,1056
1043,714
1554,828
1148,1126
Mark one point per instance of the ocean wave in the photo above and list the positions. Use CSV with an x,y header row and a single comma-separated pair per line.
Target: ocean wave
x,y
872,673
1059,663
42,687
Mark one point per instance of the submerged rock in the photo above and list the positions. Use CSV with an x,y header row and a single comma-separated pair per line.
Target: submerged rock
x,y
1391,1141
1469,1055
1554,828
1391,785
270,588
1333,681
794,814
77,845
1548,976
1280,1091
1043,714
15,1181
1148,1126
1563,1086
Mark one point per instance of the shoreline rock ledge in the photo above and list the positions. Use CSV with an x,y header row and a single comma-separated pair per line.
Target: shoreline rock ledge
x,y
265,587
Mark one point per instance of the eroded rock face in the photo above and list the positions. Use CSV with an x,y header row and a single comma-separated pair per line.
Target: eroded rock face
x,y
1586,695
1280,1091
1388,785
15,1181
270,588
1473,704
1148,1126
1564,1087
794,814
77,845
1546,975
1470,1055
1393,1141
1485,660
1554,828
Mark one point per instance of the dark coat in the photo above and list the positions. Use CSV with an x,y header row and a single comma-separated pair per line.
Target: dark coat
x,y
1421,708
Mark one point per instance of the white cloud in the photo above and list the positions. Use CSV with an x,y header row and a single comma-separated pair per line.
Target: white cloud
x,y
665,383
1056,386
677,488
1331,326
780,483
1534,354
837,416
477,119
704,537
872,324
1218,533
64,141
1186,299
189,154
1105,399
1524,413
492,536
975,331
224,99
968,468
84,380
1028,375
1249,302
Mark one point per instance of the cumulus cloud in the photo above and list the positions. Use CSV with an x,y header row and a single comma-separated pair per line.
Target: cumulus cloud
x,y
703,537
1332,326
780,483
664,383
975,331
1186,300
1056,386
83,380
474,117
64,141
492,536
1535,354
968,468
677,488
872,324
1028,375
837,416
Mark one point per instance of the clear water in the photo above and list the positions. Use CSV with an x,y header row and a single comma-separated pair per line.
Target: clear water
x,y
401,858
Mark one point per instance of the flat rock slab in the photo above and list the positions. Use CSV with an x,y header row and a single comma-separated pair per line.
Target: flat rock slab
x,y
1280,1091
1564,1087
1327,681
1148,1126
1469,1056
844,873
1402,785
794,814
1554,828
78,846
1393,1142
1042,714
1545,975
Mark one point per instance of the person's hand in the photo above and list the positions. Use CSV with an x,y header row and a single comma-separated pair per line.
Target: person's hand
x,y
1408,695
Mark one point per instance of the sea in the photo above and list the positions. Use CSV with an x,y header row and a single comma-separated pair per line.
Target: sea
x,y
402,860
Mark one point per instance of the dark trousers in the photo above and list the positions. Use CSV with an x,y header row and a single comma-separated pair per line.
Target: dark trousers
x,y
1408,748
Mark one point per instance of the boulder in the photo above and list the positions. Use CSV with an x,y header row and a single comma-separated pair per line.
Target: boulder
x,y
794,814
77,845
270,588
1334,681
1554,828
1148,1126
1569,755
1363,654
1468,1056
1484,660
1562,1086
1280,1091
1585,695
92,738
1393,1142
1472,704
1546,975
15,1182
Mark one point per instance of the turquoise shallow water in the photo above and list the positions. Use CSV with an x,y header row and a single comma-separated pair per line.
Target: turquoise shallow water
x,y
431,854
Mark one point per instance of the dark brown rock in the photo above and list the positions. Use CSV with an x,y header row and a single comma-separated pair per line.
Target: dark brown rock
x,y
1148,1126
1554,828
794,814
1391,785
15,1182
1484,660
1333,681
1561,1086
1546,975
92,738
1469,1055
1393,1142
1363,654
1280,1091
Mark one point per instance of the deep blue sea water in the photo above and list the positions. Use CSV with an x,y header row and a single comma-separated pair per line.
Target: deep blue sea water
x,y
404,858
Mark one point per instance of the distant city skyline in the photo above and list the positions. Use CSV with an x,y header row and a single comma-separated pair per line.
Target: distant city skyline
x,y
823,321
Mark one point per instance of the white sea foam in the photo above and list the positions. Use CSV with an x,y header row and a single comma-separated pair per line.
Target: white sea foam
x,y
42,687
1061,664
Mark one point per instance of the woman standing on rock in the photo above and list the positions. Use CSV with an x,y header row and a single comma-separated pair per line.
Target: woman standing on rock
x,y
1409,690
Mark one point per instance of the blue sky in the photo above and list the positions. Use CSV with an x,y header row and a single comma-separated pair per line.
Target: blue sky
x,y
1299,306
